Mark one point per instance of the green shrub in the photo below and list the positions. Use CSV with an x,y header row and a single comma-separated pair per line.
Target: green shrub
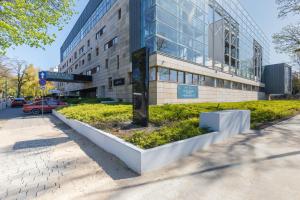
x,y
174,132
74,101
174,122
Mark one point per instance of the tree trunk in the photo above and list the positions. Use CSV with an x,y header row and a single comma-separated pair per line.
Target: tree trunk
x,y
19,90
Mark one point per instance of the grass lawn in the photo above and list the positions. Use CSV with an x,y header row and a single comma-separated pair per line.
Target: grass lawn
x,y
169,123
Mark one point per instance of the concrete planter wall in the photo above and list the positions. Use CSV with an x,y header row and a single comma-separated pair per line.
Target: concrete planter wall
x,y
140,160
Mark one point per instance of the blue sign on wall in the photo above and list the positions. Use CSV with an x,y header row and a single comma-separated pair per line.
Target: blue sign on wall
x,y
187,92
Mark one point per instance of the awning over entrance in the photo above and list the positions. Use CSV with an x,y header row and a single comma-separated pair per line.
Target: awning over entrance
x,y
64,77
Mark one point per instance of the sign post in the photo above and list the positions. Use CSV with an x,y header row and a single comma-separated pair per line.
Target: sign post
x,y
140,86
43,82
43,89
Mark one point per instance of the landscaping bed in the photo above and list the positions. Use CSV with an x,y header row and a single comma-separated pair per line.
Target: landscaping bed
x,y
170,123
78,100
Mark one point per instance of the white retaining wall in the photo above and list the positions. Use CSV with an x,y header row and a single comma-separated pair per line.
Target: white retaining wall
x,y
140,160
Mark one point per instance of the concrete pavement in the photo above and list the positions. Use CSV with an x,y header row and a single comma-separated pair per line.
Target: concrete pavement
x,y
44,159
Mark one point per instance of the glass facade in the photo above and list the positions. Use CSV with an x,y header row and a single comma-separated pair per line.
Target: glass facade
x,y
218,34
101,10
174,76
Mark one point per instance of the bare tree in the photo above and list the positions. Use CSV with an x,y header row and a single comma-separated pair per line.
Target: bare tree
x,y
19,68
287,7
4,67
288,40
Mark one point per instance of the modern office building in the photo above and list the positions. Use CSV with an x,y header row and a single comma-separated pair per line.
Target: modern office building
x,y
200,50
278,79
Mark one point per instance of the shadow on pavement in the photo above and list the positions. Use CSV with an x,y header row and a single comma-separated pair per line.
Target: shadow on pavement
x,y
114,167
15,113
40,143
207,170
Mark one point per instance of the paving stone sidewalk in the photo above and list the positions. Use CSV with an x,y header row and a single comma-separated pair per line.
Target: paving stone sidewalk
x,y
41,158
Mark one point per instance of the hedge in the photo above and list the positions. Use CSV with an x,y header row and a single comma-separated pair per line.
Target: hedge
x,y
174,122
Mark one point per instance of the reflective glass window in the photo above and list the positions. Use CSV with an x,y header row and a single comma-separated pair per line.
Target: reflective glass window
x,y
173,75
163,74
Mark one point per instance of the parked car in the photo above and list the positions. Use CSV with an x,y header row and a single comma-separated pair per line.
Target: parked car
x,y
42,106
18,102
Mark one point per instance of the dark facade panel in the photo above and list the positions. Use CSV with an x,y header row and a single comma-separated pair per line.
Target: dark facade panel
x,y
277,79
85,15
65,77
135,24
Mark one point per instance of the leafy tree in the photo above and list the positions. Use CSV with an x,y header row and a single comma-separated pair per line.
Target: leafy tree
x,y
27,21
4,76
288,40
296,85
31,86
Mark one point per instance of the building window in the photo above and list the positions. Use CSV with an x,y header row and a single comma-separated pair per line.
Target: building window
x,y
89,73
237,86
119,13
163,74
110,83
220,83
89,57
181,77
82,62
98,68
70,60
81,50
247,87
201,80
94,70
111,43
106,63
227,84
189,78
209,81
118,62
100,33
76,66
97,51
88,43
153,74
75,55
195,79
173,75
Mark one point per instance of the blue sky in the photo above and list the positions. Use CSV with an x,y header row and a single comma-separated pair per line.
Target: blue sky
x,y
264,12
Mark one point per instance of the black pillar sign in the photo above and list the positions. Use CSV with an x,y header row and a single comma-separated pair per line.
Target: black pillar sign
x,y
140,86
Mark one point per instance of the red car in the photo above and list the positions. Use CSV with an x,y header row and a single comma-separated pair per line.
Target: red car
x,y
42,106
18,102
